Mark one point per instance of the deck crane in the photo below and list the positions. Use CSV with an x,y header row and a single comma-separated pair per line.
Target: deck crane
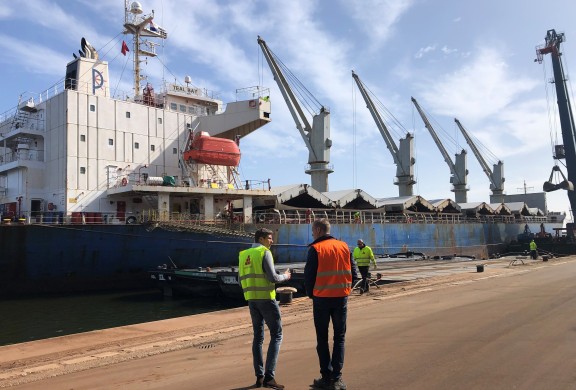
x,y
568,150
496,175
403,157
458,170
317,136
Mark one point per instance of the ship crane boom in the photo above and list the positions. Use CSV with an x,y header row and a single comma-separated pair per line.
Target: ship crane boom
x,y
496,175
458,170
317,136
403,156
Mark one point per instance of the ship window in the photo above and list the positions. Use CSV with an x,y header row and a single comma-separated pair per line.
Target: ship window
x,y
82,170
110,141
191,110
136,145
82,138
159,121
152,147
182,108
127,114
173,106
174,151
92,107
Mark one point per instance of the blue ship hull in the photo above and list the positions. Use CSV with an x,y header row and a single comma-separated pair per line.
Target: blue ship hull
x,y
55,258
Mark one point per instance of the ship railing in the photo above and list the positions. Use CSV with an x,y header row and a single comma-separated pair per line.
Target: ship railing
x,y
70,218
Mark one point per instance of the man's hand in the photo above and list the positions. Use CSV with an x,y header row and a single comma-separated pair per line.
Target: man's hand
x,y
288,273
375,266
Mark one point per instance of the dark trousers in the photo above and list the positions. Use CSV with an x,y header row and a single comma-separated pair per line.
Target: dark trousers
x,y
364,272
326,309
265,312
534,254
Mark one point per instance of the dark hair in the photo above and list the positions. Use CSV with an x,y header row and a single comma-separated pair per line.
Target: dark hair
x,y
261,233
322,224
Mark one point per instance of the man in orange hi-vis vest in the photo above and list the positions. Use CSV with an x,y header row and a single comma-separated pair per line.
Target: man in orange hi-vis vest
x,y
328,277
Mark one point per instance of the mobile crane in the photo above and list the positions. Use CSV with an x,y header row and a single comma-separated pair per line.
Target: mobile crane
x,y
568,150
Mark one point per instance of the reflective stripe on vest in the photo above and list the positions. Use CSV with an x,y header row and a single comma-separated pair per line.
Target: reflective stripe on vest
x,y
334,276
363,256
251,275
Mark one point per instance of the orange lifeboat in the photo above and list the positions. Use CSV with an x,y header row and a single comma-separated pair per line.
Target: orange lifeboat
x,y
213,150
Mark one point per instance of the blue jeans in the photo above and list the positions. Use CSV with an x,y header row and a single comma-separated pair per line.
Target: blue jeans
x,y
265,311
326,309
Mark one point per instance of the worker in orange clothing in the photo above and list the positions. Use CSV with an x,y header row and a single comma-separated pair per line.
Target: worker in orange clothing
x,y
328,277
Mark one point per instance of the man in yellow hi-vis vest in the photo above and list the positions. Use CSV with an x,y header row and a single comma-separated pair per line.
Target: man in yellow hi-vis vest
x,y
257,276
533,251
363,256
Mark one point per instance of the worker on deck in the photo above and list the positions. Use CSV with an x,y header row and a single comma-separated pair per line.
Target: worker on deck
x,y
533,251
363,256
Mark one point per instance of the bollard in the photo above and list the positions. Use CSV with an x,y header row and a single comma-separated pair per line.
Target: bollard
x,y
480,268
285,294
544,258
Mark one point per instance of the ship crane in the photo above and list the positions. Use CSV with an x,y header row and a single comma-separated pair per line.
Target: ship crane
x,y
496,175
458,170
317,136
568,150
403,156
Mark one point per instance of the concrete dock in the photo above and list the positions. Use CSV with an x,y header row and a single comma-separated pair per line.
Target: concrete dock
x,y
213,349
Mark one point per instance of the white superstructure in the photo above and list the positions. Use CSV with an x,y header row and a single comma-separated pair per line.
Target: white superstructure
x,y
75,149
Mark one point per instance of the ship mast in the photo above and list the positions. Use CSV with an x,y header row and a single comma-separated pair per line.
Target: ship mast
x,y
141,26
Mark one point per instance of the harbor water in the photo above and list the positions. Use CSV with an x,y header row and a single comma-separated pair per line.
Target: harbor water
x,y
36,318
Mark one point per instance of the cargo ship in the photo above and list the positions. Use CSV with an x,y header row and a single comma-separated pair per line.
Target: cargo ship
x,y
96,189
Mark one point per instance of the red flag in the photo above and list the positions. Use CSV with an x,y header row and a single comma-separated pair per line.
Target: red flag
x,y
124,48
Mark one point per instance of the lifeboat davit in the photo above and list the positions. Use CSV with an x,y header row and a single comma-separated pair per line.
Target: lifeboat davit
x,y
213,150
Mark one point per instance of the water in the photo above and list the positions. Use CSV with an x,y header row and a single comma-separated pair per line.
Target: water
x,y
37,318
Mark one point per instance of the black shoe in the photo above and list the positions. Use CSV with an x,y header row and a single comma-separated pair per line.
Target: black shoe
x,y
272,384
323,383
259,382
338,384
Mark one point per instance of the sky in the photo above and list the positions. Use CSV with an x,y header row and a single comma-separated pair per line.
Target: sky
x,y
460,59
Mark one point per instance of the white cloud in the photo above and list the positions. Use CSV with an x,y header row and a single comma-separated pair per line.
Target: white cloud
x,y
5,11
424,50
480,89
32,57
377,17
447,50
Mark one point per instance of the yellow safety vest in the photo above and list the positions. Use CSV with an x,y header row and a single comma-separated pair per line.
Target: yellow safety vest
x,y
363,256
252,277
532,246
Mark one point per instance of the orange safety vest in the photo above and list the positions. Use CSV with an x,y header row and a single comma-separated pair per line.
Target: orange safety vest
x,y
334,275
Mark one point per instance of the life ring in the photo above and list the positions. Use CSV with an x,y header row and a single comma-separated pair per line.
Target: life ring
x,y
261,218
124,181
252,103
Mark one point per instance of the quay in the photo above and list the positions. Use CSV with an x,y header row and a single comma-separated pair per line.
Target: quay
x,y
213,349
